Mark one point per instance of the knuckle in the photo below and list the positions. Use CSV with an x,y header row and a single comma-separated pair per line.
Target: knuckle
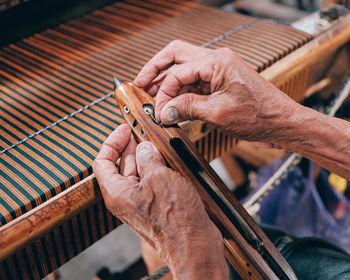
x,y
218,114
225,51
115,146
189,106
173,70
226,54
144,145
176,43
146,152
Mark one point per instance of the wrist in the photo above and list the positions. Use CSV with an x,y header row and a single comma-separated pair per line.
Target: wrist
x,y
196,255
278,119
300,129
319,137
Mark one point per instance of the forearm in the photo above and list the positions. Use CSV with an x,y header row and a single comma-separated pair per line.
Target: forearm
x,y
320,138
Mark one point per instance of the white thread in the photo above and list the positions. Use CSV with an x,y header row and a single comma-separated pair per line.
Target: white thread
x,y
213,41
228,33
251,204
343,95
269,182
57,122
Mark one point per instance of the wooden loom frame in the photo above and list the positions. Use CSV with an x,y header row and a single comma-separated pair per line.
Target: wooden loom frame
x,y
293,74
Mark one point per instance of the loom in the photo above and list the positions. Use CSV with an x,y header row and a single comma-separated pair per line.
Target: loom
x,y
57,108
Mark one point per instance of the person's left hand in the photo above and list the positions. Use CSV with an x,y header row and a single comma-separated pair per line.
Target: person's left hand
x,y
160,205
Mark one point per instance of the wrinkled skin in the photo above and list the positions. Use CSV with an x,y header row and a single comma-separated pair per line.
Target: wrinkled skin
x,y
216,86
230,91
159,204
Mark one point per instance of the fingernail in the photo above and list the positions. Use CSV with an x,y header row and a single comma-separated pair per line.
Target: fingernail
x,y
144,149
171,114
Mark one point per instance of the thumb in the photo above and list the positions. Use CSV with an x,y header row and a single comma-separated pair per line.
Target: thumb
x,y
188,106
148,158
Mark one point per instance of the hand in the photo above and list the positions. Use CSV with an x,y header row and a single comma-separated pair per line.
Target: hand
x,y
215,86
218,87
160,205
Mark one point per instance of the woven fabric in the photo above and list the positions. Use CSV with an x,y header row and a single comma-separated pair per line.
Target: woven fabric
x,y
56,247
53,112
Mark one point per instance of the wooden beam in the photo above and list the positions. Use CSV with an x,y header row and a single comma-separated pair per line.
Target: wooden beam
x,y
310,56
41,219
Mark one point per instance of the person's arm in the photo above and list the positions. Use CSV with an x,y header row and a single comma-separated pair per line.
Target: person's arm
x,y
161,206
237,100
321,138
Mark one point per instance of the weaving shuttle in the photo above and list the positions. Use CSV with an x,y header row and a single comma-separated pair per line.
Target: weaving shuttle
x,y
246,246
57,108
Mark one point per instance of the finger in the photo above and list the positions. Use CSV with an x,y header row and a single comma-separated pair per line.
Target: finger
x,y
188,106
148,158
152,89
128,160
104,164
116,191
154,86
179,76
175,52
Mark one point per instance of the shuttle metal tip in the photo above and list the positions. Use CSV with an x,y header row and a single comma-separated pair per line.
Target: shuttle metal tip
x,y
116,82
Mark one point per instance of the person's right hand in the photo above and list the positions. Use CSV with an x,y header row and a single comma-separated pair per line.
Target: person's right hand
x,y
218,87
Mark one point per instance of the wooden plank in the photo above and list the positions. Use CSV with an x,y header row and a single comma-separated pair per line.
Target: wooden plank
x,y
310,56
51,213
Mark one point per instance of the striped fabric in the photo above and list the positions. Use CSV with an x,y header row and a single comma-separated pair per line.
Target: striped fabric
x,y
51,75
53,249
56,108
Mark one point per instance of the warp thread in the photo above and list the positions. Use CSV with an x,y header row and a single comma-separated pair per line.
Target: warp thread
x,y
213,41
